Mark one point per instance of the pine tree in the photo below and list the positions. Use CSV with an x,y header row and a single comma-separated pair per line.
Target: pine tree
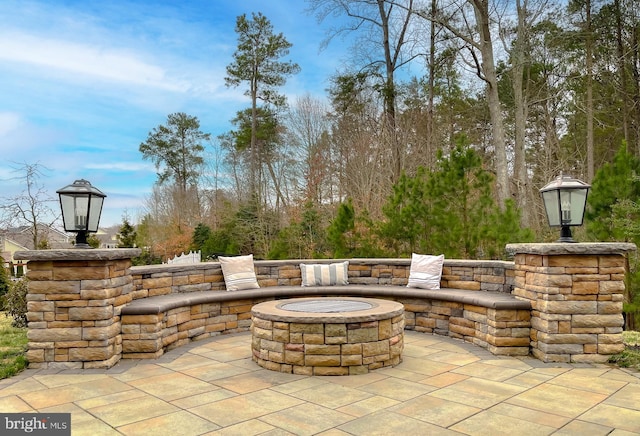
x,y
614,182
127,235
4,283
340,231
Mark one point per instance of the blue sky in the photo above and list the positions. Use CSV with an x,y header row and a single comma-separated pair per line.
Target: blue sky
x,y
82,83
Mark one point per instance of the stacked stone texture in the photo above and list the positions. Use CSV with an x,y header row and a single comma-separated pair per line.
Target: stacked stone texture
x,y
74,308
75,297
577,295
327,349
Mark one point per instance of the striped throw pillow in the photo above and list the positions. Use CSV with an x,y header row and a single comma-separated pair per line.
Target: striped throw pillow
x,y
238,272
333,274
425,271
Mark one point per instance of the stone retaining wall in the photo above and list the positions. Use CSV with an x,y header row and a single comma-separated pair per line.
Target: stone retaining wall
x,y
576,291
475,275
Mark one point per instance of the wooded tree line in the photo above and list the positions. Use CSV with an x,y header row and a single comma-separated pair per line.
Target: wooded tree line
x,y
435,137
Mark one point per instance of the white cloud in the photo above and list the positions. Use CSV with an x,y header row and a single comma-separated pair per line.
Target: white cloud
x,y
9,121
120,166
85,60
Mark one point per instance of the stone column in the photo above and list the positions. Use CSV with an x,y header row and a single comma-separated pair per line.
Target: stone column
x,y
73,306
576,293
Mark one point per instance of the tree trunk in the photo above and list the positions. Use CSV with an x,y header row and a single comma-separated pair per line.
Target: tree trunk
x,y
481,8
520,108
430,103
589,108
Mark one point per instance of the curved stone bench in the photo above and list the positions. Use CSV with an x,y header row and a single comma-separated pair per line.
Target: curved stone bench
x,y
497,321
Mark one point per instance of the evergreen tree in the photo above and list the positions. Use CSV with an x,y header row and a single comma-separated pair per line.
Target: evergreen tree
x,y
4,283
177,148
257,63
613,214
201,235
127,235
614,182
451,210
341,229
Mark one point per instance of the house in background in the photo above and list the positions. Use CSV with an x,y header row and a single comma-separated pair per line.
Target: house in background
x,y
108,236
50,238
21,238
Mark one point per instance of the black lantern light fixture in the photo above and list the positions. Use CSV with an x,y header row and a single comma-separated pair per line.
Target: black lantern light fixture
x,y
81,206
565,200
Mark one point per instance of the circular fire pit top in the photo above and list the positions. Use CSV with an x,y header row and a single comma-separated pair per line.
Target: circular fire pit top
x,y
326,306
328,310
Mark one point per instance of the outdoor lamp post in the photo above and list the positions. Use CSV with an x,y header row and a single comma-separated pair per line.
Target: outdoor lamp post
x,y
565,200
81,206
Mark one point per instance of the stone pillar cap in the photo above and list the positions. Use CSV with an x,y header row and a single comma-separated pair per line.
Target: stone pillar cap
x,y
77,254
558,248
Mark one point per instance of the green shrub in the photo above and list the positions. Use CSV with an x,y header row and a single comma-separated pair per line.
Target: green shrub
x,y
16,302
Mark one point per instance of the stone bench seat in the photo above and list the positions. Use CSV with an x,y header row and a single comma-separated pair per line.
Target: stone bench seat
x,y
163,303
497,321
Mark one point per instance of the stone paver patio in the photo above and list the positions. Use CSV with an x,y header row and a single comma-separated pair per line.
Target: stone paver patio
x,y
443,386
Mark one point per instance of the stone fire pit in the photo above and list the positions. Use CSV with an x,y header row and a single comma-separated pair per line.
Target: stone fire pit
x,y
327,335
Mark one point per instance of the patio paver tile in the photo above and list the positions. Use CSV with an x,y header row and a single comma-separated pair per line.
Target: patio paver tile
x,y
478,392
557,399
628,396
14,404
245,383
535,416
205,398
444,380
435,410
306,419
241,408
216,371
368,405
588,382
134,410
385,423
247,428
172,386
578,427
180,423
332,396
614,417
397,389
27,385
425,366
75,392
488,372
488,423
142,371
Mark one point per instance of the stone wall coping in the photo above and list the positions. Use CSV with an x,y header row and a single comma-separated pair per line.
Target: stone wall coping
x,y
586,248
77,254
153,269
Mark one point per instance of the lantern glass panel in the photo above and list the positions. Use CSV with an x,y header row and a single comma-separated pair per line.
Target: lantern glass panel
x,y
578,204
94,213
551,201
74,212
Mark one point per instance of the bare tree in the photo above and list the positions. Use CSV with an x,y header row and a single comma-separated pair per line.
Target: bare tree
x,y
386,42
307,127
517,42
471,21
32,206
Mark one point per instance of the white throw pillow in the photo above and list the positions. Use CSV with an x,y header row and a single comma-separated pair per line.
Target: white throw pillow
x,y
426,271
333,274
238,272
